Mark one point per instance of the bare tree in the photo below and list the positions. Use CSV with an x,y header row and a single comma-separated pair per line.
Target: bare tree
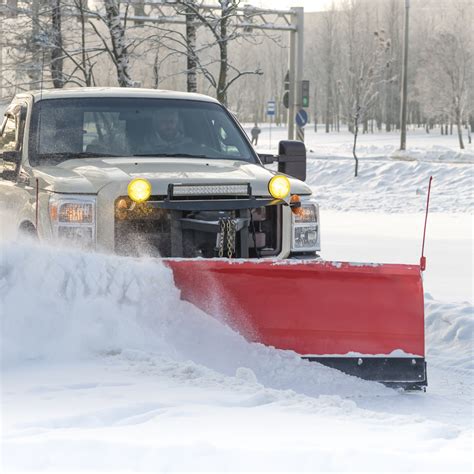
x,y
219,22
329,57
191,48
445,80
368,75
56,39
84,57
116,46
391,93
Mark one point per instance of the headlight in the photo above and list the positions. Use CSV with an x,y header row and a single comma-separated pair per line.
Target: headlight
x,y
305,229
76,212
279,187
73,219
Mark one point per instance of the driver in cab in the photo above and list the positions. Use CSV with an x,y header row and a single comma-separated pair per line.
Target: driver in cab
x,y
164,135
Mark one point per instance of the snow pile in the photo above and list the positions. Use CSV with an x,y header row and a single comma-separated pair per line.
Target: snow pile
x,y
399,186
80,304
389,180
435,153
450,333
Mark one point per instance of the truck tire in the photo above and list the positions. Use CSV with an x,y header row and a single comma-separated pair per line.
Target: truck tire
x,y
27,231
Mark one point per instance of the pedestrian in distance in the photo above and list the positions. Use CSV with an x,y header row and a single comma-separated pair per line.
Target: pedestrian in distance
x,y
255,132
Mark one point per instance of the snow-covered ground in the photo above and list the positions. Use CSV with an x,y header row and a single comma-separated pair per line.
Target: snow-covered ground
x,y
105,369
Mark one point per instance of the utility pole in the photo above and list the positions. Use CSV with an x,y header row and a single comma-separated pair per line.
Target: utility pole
x,y
291,79
299,68
403,113
295,68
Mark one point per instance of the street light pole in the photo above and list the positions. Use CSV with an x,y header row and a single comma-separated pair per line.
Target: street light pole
x,y
403,113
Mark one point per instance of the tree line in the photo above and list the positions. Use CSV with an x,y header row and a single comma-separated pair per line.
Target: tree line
x,y
353,55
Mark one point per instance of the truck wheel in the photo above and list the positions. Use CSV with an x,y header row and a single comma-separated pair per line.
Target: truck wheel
x,y
27,231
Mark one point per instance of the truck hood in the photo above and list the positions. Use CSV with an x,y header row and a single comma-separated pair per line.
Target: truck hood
x,y
90,175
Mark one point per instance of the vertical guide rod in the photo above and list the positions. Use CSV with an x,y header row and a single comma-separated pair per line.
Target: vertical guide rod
x,y
403,112
423,258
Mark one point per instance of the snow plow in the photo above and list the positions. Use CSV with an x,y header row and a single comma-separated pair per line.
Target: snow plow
x,y
173,175
365,320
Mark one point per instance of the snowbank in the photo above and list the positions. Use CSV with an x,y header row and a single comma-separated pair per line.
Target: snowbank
x,y
389,180
391,186
435,153
450,334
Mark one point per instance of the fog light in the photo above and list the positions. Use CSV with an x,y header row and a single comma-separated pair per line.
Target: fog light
x,y
139,189
279,187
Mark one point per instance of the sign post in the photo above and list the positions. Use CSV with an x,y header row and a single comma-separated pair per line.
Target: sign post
x,y
301,120
271,113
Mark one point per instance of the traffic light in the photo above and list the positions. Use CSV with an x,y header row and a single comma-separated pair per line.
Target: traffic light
x,y
286,93
305,93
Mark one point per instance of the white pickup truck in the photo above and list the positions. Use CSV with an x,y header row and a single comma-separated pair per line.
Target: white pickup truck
x,y
134,170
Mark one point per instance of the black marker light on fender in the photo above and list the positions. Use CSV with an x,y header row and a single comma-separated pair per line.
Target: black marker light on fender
x,y
139,190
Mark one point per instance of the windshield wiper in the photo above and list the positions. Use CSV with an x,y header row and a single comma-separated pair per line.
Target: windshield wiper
x,y
71,155
172,155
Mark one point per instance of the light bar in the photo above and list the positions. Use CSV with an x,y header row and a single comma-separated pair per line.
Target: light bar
x,y
211,190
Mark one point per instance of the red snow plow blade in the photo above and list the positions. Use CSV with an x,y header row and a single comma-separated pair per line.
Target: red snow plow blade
x,y
347,316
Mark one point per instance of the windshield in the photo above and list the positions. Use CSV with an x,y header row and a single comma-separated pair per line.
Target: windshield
x,y
74,128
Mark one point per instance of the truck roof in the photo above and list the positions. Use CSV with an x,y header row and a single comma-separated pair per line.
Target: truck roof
x,y
78,92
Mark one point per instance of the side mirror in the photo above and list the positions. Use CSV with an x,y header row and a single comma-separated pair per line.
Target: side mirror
x,y
11,164
291,158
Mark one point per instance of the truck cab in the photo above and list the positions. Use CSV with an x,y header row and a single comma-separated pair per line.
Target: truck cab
x,y
161,173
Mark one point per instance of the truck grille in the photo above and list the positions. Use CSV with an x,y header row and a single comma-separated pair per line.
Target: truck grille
x,y
147,229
